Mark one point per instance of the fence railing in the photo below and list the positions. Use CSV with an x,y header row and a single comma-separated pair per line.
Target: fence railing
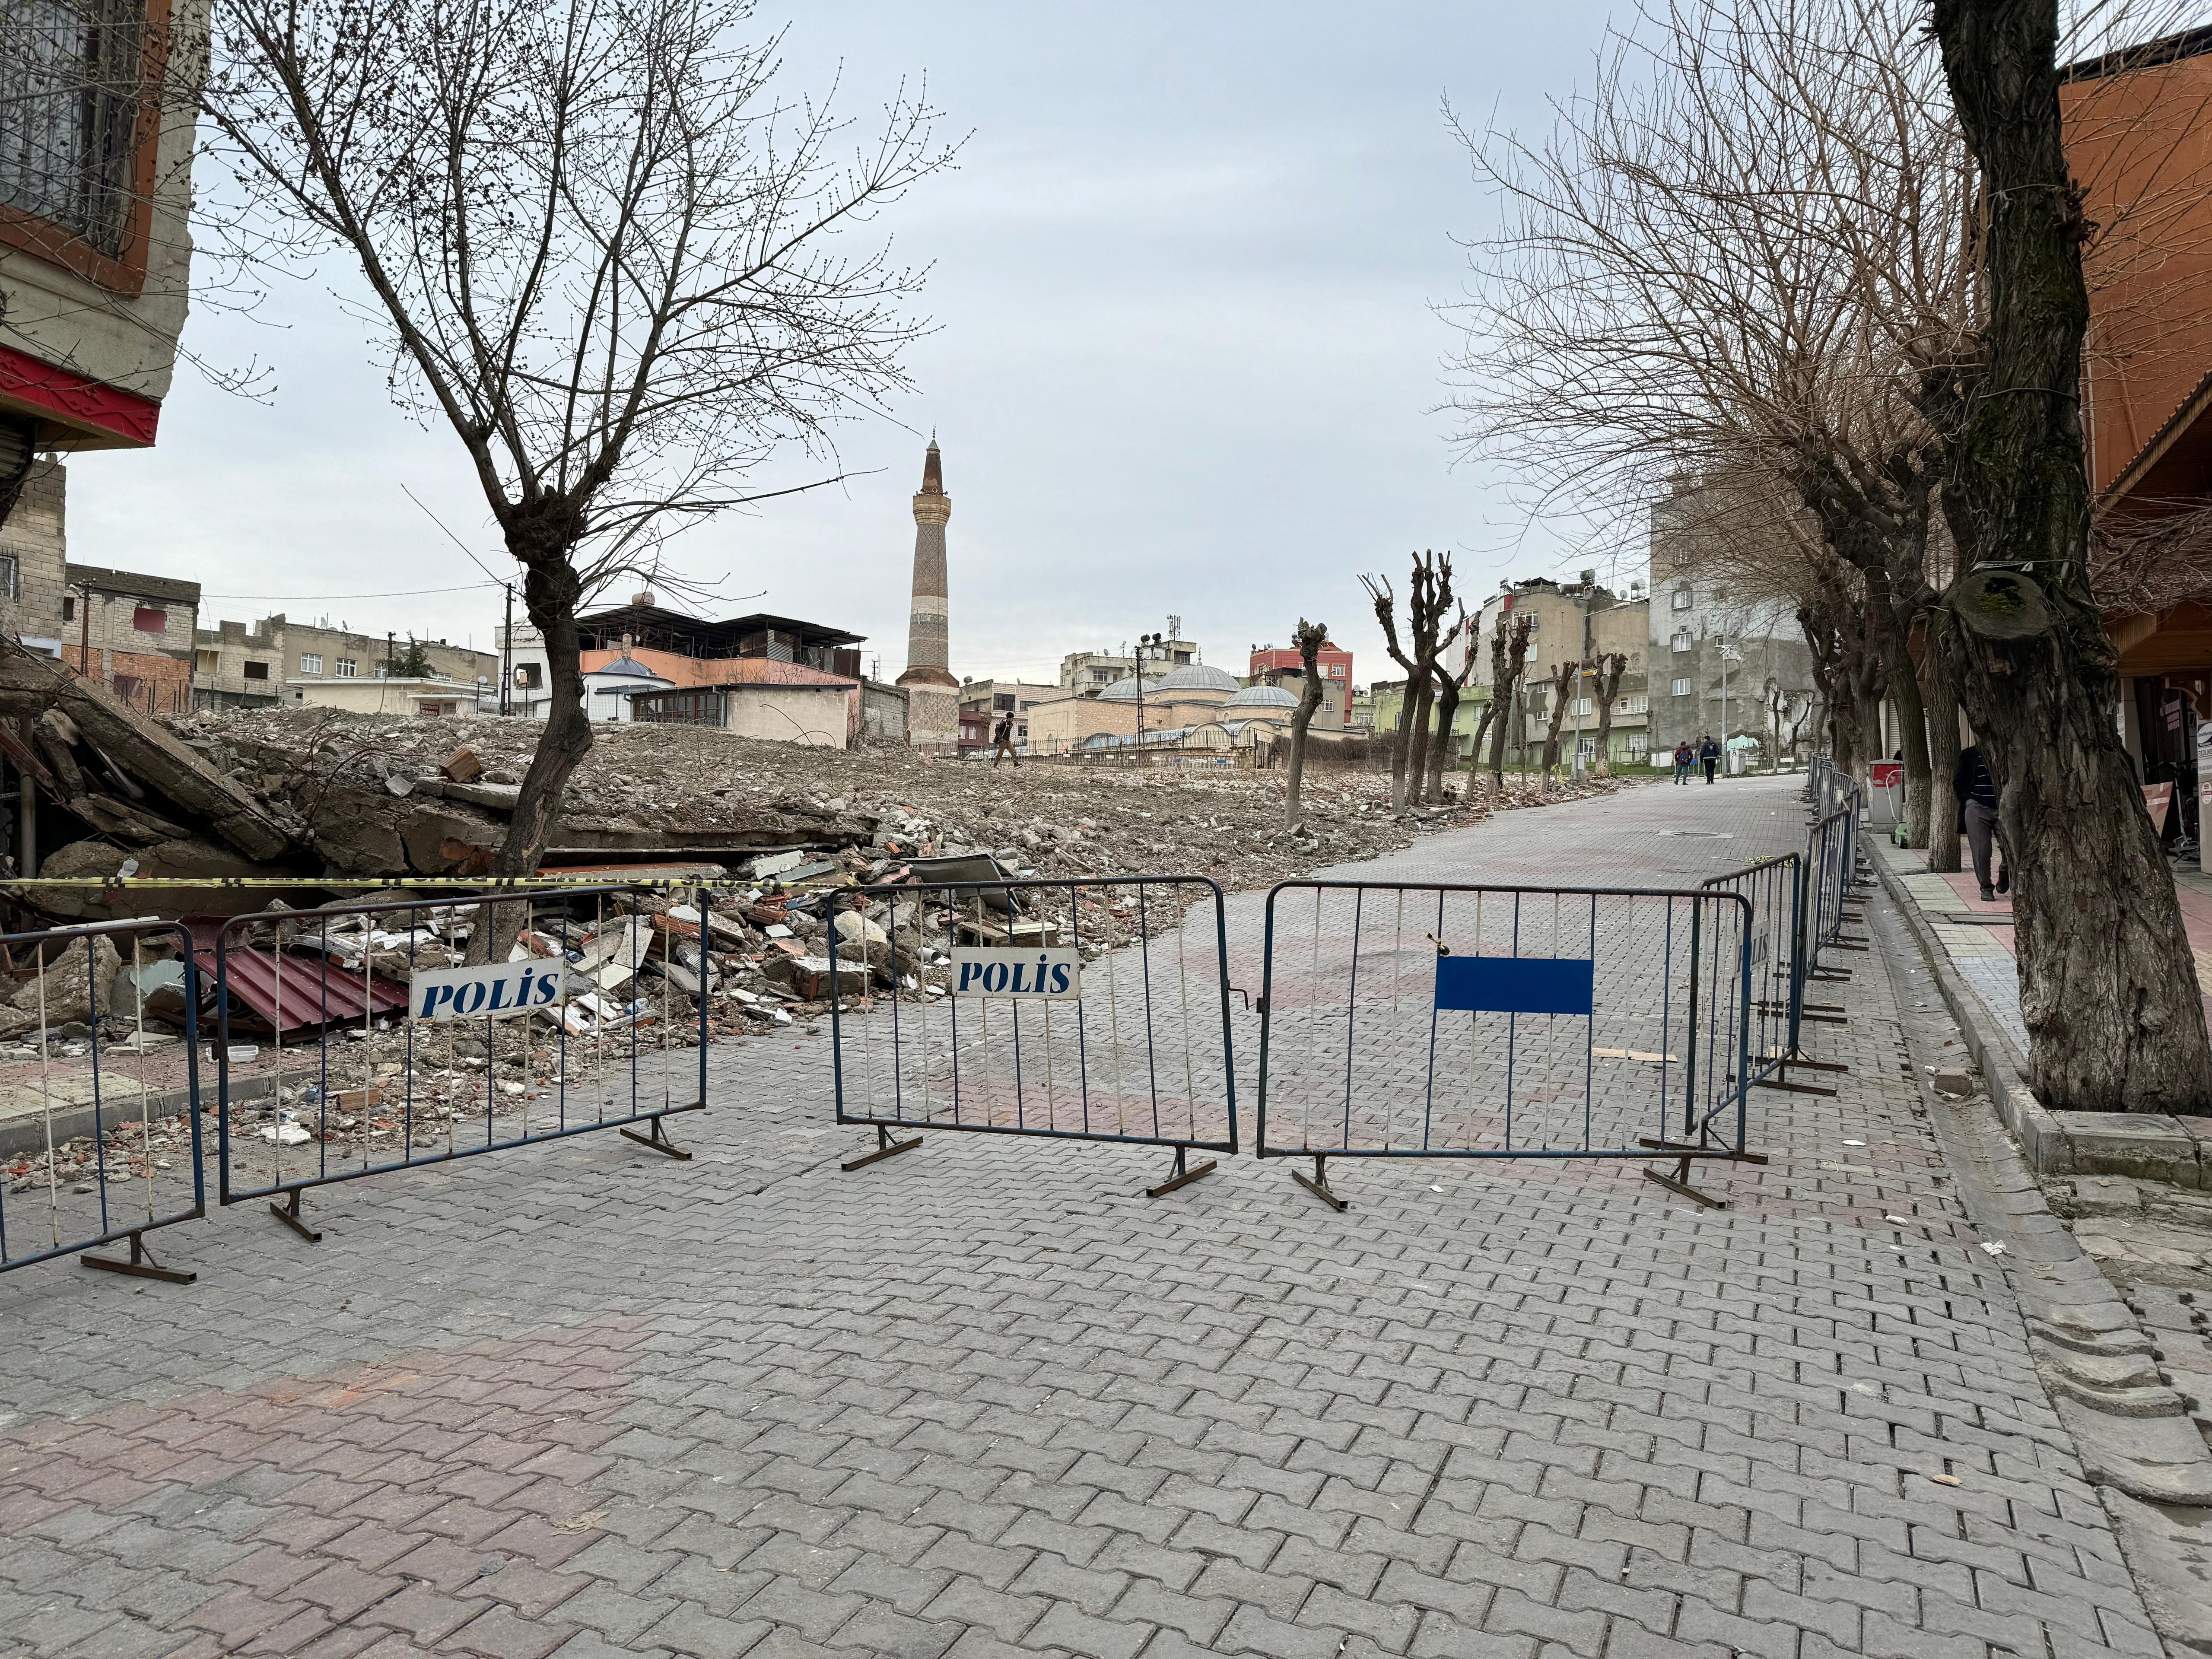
x,y
995,1006
359,1039
100,1126
1430,1020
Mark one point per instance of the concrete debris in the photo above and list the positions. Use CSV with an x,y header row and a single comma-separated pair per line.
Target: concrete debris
x,y
462,766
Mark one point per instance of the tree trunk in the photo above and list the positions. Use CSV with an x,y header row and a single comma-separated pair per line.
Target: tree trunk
x,y
1401,749
2107,984
1417,758
1562,689
1905,692
1309,639
1941,699
1440,754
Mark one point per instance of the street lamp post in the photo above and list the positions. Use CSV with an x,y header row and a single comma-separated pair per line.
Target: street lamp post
x,y
1147,644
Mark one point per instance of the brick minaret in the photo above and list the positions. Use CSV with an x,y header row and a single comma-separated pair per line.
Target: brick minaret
x,y
932,708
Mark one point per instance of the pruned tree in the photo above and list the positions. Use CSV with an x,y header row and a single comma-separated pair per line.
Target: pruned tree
x,y
1309,638
1450,687
2108,988
1509,658
1605,685
1429,598
1562,684
599,246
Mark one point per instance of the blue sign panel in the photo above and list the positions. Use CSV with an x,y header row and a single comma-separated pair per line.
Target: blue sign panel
x,y
1515,985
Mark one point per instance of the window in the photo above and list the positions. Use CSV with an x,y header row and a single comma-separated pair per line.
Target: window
x,y
8,577
207,662
347,668
1002,702
1639,744
1681,642
1336,671
1638,704
257,670
531,674
1682,685
70,98
150,619
311,662
1682,598
69,608
1581,706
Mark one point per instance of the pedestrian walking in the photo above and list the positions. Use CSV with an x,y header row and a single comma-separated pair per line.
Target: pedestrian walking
x,y
1685,758
1002,742
1978,805
1709,753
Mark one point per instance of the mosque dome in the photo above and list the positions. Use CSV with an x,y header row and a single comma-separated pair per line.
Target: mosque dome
x,y
1258,697
1196,677
1120,691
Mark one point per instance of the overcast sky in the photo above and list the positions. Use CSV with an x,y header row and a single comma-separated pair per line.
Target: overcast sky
x,y
1185,363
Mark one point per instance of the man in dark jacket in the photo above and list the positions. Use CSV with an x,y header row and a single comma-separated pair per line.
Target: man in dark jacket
x,y
1709,752
1002,742
1978,805
1685,757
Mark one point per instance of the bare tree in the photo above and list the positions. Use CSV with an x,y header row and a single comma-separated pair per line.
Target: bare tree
x,y
1309,637
1429,598
599,246
1562,684
1509,657
2108,988
1605,685
1449,686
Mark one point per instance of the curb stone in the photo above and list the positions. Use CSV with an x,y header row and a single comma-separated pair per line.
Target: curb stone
x,y
2137,1442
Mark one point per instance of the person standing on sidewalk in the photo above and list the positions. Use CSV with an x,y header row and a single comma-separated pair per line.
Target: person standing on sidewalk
x,y
1977,804
1002,742
1685,758
1709,753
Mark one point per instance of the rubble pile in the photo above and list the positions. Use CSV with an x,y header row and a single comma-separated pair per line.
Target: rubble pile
x,y
392,795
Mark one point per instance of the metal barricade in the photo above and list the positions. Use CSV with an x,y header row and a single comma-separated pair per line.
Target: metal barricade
x,y
392,1043
99,1124
1007,1009
1430,1020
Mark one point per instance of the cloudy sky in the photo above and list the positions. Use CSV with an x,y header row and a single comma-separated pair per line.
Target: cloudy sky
x,y
1185,364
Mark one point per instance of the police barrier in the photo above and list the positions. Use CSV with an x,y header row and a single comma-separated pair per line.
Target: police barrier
x,y
1832,863
1429,1020
391,1046
1005,1013
100,1133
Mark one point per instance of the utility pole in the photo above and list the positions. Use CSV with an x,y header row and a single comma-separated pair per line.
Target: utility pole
x,y
1145,641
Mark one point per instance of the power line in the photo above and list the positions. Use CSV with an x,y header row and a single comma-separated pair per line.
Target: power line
x,y
308,598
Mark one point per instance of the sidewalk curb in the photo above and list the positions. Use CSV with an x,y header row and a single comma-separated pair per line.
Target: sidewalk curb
x,y
2138,1445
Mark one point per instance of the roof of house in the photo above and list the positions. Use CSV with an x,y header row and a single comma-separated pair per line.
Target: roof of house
x,y
698,636
129,584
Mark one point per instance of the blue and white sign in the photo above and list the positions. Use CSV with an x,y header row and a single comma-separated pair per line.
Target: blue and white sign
x,y
490,992
1054,975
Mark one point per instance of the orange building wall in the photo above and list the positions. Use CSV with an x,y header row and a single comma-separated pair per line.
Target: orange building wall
x,y
2140,144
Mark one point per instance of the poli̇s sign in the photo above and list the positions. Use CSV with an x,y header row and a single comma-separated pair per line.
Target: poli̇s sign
x,y
1053,975
490,992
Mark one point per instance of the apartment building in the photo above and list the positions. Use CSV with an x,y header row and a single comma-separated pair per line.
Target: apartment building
x,y
1285,670
96,150
1575,623
277,661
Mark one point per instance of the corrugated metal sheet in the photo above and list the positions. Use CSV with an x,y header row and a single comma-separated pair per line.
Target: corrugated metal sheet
x,y
293,991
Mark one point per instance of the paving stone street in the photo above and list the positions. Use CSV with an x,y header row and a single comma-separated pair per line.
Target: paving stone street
x,y
985,1398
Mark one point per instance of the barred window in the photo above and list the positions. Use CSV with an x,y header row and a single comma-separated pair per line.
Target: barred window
x,y
71,88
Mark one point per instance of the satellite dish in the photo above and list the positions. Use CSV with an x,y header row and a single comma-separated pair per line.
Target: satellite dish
x,y
1999,603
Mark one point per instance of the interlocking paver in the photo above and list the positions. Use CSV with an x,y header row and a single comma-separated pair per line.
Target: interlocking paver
x,y
982,1400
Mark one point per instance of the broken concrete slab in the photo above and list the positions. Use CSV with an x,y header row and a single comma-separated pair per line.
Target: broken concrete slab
x,y
462,766
2146,1145
144,751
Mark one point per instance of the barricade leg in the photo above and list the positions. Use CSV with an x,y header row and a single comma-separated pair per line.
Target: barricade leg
x,y
1318,1185
658,1141
141,1265
1181,1177
886,1147
288,1213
